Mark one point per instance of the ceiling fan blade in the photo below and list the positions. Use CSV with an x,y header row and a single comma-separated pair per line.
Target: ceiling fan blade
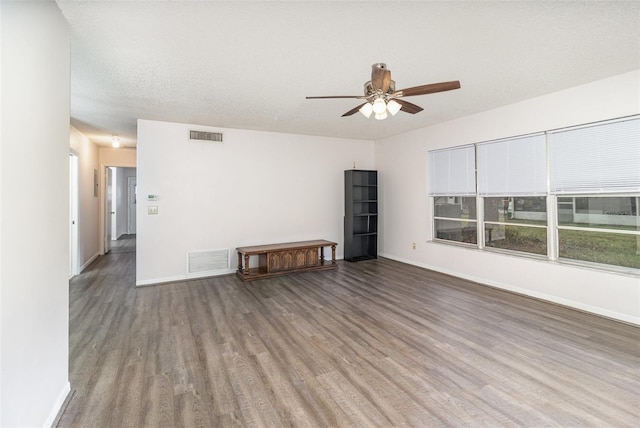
x,y
409,107
428,89
353,110
336,96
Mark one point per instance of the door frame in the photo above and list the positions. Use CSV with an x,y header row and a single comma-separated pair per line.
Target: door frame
x,y
130,180
74,172
108,208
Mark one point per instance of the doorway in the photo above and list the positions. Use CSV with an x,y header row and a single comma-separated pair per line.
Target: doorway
x,y
119,205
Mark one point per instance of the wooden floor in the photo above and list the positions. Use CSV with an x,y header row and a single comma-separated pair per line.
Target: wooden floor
x,y
375,343
124,244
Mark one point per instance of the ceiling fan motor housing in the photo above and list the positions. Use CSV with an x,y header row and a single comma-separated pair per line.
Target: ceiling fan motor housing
x,y
369,91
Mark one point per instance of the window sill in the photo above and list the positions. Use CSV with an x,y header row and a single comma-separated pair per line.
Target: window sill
x,y
616,270
455,243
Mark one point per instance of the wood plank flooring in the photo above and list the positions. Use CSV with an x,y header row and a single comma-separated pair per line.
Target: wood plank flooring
x,y
124,244
375,343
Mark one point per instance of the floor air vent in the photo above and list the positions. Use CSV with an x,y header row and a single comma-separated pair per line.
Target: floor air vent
x,y
205,136
199,262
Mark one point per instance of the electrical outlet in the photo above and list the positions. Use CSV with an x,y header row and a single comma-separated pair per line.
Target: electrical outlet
x,y
152,210
413,245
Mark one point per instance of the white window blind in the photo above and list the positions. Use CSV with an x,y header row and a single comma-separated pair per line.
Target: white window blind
x,y
515,166
452,171
602,158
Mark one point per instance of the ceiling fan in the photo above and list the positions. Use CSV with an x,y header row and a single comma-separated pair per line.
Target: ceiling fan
x,y
382,97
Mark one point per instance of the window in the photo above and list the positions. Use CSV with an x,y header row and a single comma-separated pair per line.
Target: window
x,y
452,184
587,178
600,229
516,223
455,219
511,173
600,165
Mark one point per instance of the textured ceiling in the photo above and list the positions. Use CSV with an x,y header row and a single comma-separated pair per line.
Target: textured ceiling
x,y
250,65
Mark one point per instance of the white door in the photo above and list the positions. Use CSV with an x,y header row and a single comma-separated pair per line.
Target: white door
x,y
109,209
73,215
132,205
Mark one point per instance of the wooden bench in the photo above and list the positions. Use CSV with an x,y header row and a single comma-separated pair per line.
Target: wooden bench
x,y
280,259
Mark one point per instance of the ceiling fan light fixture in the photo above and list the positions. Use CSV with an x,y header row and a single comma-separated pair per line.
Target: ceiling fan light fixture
x,y
366,110
393,107
379,106
381,116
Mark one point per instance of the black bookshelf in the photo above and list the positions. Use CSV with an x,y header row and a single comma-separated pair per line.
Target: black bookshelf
x,y
360,215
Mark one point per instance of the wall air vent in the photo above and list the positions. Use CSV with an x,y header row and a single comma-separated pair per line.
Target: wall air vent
x,y
205,136
200,262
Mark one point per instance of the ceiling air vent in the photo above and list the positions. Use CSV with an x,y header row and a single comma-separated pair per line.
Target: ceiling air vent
x,y
205,136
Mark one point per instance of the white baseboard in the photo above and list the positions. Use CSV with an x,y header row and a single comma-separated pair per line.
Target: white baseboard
x,y
178,278
88,262
57,406
524,291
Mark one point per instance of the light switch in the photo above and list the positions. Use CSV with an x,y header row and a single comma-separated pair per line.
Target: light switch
x,y
152,210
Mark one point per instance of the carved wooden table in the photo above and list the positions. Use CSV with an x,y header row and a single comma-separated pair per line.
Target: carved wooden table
x,y
280,259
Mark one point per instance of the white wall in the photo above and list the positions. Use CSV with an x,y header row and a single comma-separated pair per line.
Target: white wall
x,y
402,162
124,157
255,188
88,214
34,230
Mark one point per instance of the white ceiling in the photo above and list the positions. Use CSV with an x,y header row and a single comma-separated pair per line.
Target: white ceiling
x,y
250,65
